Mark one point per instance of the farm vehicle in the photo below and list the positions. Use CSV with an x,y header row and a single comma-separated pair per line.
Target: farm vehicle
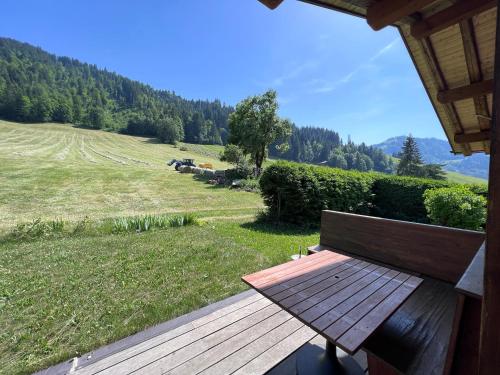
x,y
179,163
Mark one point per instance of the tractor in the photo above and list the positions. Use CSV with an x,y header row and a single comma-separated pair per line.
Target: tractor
x,y
179,163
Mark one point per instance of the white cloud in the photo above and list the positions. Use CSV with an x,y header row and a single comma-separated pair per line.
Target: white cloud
x,y
294,72
326,87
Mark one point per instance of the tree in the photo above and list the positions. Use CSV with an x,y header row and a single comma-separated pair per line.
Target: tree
x,y
254,125
169,130
410,163
434,171
96,118
234,155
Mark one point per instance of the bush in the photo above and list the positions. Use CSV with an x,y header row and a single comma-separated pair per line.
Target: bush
x,y
402,198
297,193
249,184
479,189
239,173
456,206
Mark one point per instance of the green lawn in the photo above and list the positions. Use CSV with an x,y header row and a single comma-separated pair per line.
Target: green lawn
x,y
62,297
58,171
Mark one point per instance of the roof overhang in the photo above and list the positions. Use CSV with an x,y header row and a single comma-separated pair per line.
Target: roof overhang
x,y
452,45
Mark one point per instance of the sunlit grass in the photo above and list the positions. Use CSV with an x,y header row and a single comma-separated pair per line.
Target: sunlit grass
x,y
53,171
62,297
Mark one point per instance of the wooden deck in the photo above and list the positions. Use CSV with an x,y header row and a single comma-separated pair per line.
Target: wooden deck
x,y
245,334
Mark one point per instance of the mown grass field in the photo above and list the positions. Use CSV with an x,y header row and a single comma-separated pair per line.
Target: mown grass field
x,y
58,171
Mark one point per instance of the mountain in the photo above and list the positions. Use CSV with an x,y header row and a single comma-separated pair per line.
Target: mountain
x,y
438,151
36,86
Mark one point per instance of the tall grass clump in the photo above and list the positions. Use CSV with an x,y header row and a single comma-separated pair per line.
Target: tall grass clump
x,y
36,229
148,222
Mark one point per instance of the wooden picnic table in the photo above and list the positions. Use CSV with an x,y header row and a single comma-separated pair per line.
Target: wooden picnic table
x,y
342,298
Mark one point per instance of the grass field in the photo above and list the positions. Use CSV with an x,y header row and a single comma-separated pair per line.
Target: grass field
x,y
463,179
63,297
58,171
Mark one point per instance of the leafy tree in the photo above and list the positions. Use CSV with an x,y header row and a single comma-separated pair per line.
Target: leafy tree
x,y
62,112
169,130
233,155
96,118
410,163
254,125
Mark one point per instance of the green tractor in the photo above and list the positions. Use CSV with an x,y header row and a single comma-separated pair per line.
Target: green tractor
x,y
178,163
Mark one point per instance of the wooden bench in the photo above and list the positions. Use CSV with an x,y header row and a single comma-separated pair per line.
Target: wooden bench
x,y
420,337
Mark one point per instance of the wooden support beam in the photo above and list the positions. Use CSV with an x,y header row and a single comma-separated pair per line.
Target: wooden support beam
x,y
475,75
462,10
472,137
449,108
489,348
271,4
465,92
384,13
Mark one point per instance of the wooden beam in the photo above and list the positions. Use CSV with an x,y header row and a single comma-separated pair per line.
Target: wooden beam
x,y
465,92
271,4
489,348
472,137
475,72
462,10
386,12
449,108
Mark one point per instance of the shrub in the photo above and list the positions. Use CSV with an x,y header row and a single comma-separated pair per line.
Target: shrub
x,y
239,173
479,189
456,206
297,193
402,198
249,184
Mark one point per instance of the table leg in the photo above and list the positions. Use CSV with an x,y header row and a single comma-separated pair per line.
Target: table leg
x,y
318,358
331,352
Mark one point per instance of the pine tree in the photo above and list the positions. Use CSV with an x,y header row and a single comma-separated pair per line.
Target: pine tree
x,y
410,163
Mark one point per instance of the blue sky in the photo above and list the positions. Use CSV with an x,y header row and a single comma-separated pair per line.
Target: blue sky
x,y
330,69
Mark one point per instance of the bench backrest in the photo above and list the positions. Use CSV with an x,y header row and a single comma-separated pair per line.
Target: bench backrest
x,y
439,252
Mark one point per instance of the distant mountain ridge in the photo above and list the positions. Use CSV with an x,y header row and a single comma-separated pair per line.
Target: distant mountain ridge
x,y
438,151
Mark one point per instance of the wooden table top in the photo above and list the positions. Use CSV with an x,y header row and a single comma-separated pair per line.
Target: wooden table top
x,y
342,298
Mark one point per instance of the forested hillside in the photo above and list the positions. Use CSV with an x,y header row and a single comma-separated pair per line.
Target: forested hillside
x,y
324,146
36,86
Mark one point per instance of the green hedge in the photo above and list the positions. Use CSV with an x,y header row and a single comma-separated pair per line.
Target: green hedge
x,y
297,193
457,207
402,198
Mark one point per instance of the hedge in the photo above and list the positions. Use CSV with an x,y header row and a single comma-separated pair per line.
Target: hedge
x,y
402,198
457,207
297,193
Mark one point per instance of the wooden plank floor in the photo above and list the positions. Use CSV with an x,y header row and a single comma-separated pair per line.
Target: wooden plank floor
x,y
244,334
